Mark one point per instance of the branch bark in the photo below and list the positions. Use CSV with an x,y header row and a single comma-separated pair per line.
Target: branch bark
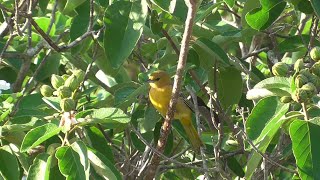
x,y
166,127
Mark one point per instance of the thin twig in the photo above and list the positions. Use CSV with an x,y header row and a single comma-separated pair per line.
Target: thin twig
x,y
197,113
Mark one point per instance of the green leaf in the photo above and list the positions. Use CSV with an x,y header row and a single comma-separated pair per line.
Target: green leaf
x,y
71,5
208,49
294,43
9,168
124,22
262,125
69,163
230,2
165,5
79,26
261,18
229,86
50,67
274,86
234,165
19,126
98,142
112,117
305,144
102,165
43,23
125,96
81,149
261,114
40,169
316,6
151,117
38,135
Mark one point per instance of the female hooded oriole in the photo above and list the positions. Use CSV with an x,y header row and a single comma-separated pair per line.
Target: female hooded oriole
x,y
160,95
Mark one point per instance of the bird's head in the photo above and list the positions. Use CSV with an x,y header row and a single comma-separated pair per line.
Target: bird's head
x,y
159,79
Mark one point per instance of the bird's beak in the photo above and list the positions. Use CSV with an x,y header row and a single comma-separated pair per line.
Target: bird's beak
x,y
150,81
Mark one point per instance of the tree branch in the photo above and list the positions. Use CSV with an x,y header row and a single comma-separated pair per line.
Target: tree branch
x,y
166,127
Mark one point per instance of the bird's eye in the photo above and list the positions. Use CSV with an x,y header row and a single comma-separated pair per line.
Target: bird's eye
x,y
157,79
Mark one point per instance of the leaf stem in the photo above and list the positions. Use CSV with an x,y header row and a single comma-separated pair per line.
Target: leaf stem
x,y
305,112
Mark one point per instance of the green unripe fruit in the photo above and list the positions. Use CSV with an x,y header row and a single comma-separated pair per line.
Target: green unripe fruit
x,y
285,99
56,81
315,69
67,104
298,65
302,96
65,76
280,69
80,75
46,91
306,73
310,89
315,80
300,80
64,92
72,82
315,53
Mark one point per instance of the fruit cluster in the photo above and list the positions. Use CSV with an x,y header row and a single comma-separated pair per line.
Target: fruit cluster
x,y
65,88
306,80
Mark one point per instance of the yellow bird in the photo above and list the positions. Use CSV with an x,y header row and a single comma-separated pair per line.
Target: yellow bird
x,y
160,95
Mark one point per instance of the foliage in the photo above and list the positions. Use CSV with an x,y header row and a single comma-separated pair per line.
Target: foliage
x,y
77,106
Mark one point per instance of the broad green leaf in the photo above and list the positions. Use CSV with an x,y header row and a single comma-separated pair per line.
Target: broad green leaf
x,y
82,151
205,11
8,74
234,165
112,117
274,86
151,117
70,164
248,6
124,22
262,125
71,5
229,2
305,7
316,6
9,168
305,144
50,67
20,126
38,135
166,5
43,5
43,23
265,110
294,43
79,26
53,102
102,165
125,96
261,18
40,169
98,142
229,86
212,51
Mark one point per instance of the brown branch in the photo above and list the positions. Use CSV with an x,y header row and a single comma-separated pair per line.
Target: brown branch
x,y
166,127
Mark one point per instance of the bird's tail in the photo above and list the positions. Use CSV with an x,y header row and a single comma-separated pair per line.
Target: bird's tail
x,y
192,134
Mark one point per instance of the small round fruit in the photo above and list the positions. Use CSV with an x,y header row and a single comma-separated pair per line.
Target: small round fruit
x,y
64,92
56,81
310,89
300,80
285,99
315,69
46,91
67,104
280,69
302,95
298,65
72,82
315,53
